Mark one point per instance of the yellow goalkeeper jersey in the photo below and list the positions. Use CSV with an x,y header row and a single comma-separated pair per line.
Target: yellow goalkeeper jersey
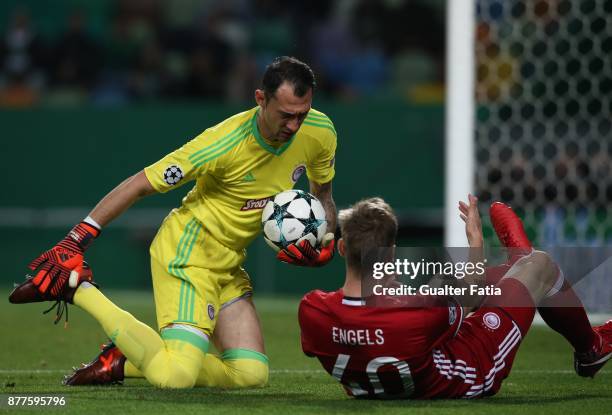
x,y
237,171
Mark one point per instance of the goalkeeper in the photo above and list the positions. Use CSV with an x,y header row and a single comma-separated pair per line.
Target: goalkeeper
x,y
202,293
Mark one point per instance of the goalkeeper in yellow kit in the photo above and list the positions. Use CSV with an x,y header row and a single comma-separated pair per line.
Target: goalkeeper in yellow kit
x,y
202,293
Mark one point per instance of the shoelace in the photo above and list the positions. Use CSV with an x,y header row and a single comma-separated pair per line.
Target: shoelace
x,y
62,306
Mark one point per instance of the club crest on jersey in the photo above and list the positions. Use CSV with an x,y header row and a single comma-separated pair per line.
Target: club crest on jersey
x,y
211,311
173,175
253,204
491,320
297,172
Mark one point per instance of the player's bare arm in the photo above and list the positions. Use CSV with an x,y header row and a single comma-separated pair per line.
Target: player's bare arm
x,y
121,198
323,192
468,212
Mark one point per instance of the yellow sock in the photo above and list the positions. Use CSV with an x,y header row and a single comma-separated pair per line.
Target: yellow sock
x,y
235,368
171,362
131,371
221,373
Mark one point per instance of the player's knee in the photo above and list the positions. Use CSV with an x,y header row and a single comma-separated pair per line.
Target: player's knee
x,y
175,367
250,370
175,378
546,268
172,375
249,375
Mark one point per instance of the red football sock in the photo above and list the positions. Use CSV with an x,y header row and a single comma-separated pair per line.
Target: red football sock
x,y
564,313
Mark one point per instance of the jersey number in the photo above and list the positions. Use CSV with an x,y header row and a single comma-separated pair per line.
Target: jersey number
x,y
372,371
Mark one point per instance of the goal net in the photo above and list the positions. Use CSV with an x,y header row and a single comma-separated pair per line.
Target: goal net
x,y
542,132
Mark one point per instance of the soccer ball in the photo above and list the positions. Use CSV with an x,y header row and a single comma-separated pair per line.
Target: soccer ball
x,y
293,216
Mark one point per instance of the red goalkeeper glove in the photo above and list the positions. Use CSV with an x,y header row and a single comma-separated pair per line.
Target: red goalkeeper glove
x,y
64,262
303,254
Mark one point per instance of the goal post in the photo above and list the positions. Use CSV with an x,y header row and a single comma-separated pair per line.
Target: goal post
x,y
459,128
529,123
529,115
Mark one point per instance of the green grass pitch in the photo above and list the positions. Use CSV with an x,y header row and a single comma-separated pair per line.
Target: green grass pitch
x,y
35,355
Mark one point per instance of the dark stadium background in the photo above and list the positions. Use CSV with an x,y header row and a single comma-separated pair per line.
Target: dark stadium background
x,y
92,91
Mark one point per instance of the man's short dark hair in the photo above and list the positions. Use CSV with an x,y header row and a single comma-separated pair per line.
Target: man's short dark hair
x,y
288,69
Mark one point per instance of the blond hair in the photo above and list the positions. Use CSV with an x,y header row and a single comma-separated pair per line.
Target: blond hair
x,y
368,224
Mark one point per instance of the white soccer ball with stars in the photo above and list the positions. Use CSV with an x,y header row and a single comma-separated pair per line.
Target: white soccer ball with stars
x,y
292,216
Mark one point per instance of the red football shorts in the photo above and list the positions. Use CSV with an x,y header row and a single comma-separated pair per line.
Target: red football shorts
x,y
491,337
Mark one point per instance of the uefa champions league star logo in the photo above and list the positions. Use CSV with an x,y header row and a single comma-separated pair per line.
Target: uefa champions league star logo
x,y
173,175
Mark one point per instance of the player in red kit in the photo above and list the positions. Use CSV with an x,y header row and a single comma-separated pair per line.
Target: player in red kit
x,y
427,346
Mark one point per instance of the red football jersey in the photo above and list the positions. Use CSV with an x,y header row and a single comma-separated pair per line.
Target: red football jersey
x,y
384,352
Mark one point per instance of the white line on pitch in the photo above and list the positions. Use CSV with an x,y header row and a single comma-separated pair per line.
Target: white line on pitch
x,y
30,371
286,371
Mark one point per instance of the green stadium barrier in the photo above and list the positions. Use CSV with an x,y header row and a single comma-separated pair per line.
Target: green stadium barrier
x,y
70,158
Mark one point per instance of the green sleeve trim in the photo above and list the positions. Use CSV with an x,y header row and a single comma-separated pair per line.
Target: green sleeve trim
x,y
330,127
224,150
227,146
323,119
185,336
234,354
219,143
320,117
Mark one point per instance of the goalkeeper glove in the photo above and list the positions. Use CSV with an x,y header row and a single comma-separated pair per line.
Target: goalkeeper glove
x,y
303,254
64,262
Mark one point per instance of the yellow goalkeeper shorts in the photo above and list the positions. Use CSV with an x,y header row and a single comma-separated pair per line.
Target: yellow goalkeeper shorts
x,y
194,276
